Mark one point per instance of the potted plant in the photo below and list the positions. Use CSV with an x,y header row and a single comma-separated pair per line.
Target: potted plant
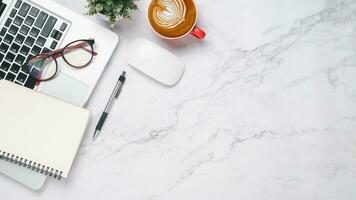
x,y
111,10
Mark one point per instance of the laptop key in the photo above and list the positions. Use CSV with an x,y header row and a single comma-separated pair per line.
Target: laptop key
x,y
29,20
63,27
4,47
41,19
13,12
18,3
25,69
34,32
20,59
5,66
46,50
25,7
10,77
56,34
1,57
54,44
29,41
30,83
48,26
8,38
13,29
21,77
40,41
34,11
18,20
15,68
8,22
24,50
19,38
24,29
2,8
36,50
14,47
3,31
2,74
30,57
10,57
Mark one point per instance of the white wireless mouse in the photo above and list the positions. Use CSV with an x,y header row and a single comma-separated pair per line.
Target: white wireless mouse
x,y
155,61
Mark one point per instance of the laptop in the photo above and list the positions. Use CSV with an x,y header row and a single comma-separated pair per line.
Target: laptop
x,y
29,27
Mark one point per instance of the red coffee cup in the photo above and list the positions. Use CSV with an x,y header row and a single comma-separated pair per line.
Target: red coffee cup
x,y
194,30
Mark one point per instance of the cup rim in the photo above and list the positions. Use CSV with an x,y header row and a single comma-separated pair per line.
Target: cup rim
x,y
174,38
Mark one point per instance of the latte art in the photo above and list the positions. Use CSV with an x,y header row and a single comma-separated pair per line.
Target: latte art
x,y
170,13
172,18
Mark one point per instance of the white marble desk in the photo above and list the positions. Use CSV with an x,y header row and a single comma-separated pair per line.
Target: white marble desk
x,y
266,109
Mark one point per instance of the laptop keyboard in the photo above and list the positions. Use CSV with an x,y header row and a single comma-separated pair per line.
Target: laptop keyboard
x,y
28,31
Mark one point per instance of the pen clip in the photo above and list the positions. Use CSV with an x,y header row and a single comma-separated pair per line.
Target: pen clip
x,y
122,79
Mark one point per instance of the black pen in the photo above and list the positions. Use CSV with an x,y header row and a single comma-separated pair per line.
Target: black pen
x,y
115,94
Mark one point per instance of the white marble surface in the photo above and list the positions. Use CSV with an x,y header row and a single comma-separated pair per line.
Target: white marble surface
x,y
266,109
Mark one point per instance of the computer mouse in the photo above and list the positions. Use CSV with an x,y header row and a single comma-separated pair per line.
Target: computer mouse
x,y
154,61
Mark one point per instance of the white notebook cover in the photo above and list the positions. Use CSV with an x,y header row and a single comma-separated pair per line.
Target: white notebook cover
x,y
40,128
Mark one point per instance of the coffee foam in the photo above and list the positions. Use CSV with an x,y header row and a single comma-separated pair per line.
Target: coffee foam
x,y
172,18
170,13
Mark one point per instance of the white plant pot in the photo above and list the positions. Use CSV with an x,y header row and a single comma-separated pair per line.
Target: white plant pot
x,y
106,19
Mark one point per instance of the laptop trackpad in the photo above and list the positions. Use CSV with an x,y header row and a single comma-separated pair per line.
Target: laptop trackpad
x,y
66,88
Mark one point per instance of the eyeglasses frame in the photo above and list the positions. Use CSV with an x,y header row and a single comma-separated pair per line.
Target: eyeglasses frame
x,y
60,53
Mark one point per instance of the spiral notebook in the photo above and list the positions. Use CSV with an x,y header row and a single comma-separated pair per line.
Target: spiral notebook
x,y
39,132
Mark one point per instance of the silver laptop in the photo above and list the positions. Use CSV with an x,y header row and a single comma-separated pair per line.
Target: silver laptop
x,y
30,27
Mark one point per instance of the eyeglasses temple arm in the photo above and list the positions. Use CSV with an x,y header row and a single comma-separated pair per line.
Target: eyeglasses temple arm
x,y
80,45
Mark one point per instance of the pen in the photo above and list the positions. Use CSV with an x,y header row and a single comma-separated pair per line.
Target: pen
x,y
115,94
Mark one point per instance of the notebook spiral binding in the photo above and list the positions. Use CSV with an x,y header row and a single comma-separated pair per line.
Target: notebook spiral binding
x,y
48,171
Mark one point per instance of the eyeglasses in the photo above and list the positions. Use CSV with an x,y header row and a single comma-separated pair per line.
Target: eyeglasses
x,y
77,54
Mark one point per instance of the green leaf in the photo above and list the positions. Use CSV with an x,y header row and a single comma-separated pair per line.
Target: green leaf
x,y
113,9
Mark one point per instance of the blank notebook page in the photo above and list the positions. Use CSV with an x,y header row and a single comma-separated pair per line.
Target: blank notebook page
x,y
40,128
